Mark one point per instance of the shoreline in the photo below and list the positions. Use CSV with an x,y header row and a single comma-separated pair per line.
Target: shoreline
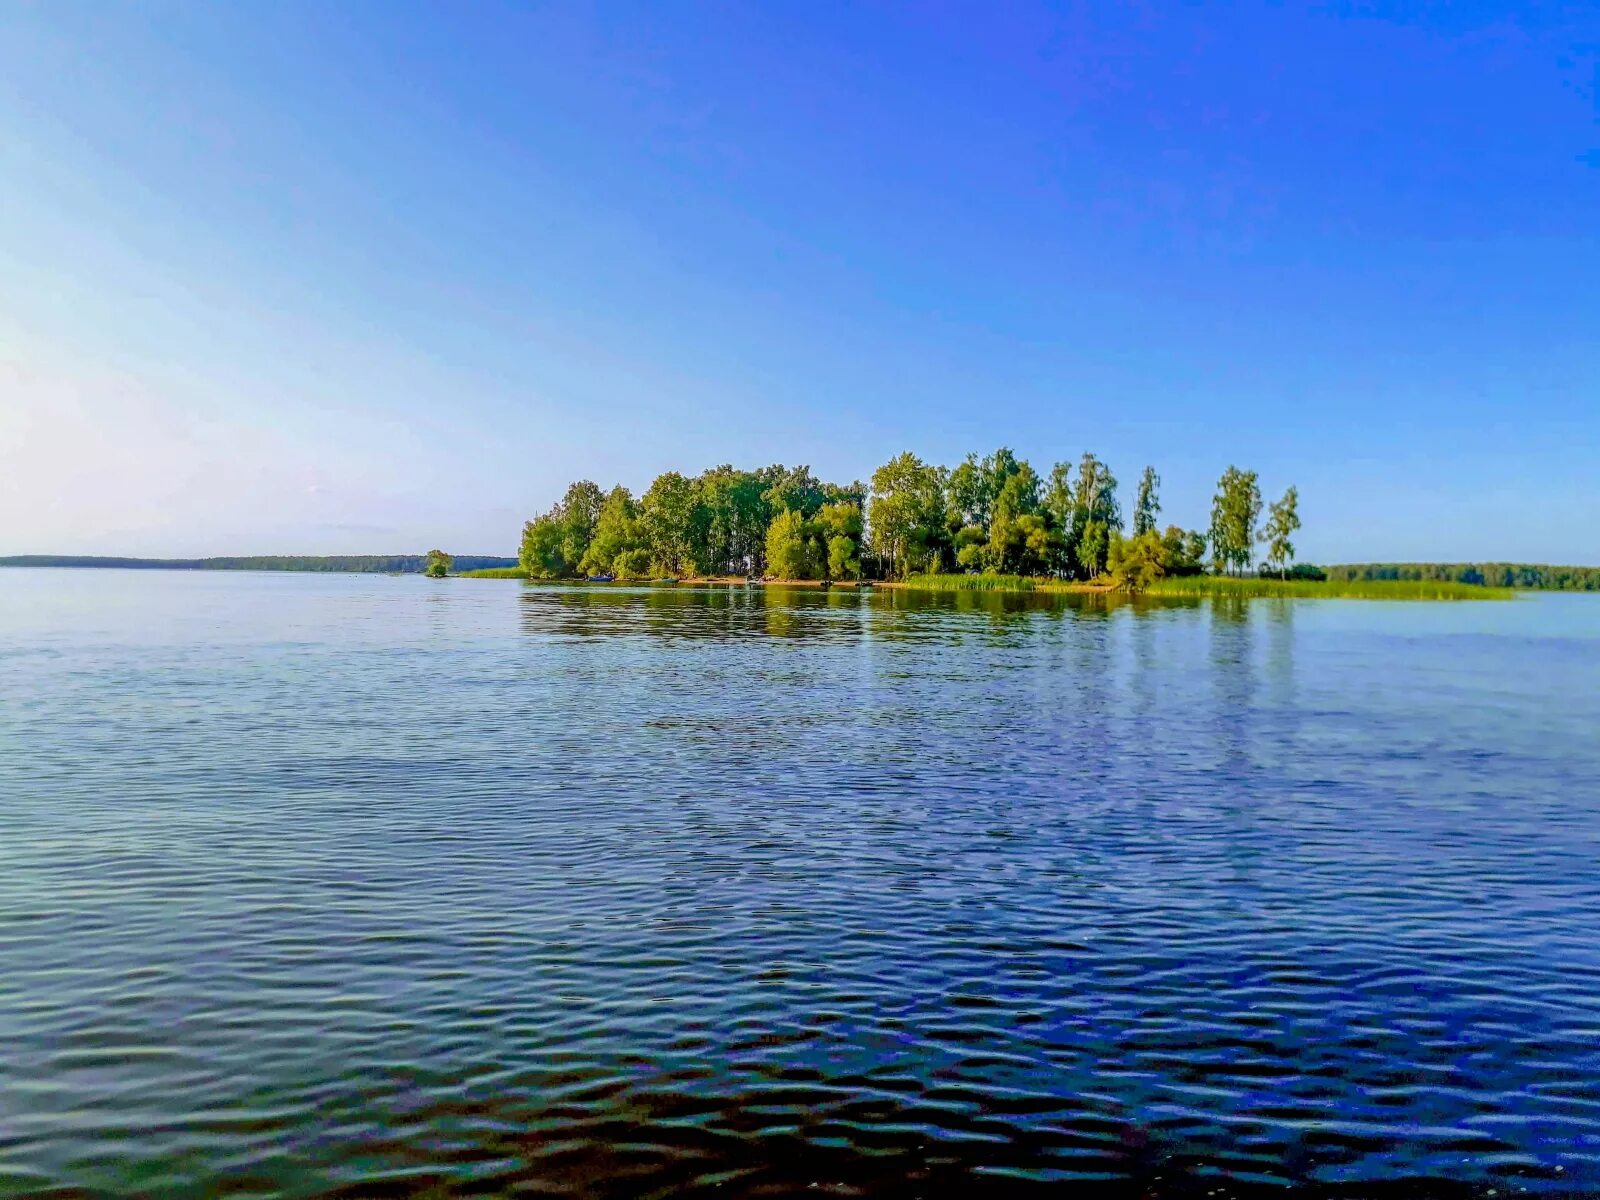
x,y
1204,586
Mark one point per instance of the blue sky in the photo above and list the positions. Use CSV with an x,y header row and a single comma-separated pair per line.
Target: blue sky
x,y
349,277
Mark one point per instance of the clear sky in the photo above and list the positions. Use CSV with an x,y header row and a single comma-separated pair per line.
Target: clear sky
x,y
300,277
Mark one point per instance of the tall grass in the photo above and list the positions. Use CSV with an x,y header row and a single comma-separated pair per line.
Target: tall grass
x,y
1369,589
975,583
496,573
1227,585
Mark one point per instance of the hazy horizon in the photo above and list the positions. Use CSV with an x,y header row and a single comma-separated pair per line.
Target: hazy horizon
x,y
368,279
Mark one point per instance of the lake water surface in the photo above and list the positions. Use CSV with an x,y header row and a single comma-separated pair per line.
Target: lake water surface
x,y
372,885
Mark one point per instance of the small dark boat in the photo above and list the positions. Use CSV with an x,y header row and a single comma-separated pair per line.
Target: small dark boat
x,y
826,583
602,579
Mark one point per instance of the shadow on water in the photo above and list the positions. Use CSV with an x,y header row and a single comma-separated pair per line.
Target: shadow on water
x,y
804,1134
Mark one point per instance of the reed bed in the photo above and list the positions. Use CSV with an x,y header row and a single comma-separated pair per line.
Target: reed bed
x,y
976,583
1227,585
1339,589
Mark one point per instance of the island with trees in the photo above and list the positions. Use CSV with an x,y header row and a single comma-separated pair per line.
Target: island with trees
x,y
992,522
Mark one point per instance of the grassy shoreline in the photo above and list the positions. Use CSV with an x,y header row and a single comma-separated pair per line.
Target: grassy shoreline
x,y
1225,585
1190,585
1333,589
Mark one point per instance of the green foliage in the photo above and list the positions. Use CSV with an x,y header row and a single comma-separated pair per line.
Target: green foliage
x,y
907,514
541,554
1183,551
553,545
794,489
1058,498
826,545
439,564
1230,585
995,515
839,525
791,547
844,558
738,508
971,583
495,573
1234,511
1523,576
616,532
1297,571
1283,518
632,564
580,512
1020,545
976,486
1222,586
713,524
1136,563
1095,513
674,524
1148,506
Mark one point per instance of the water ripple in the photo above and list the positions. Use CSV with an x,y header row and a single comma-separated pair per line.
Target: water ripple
x,y
369,886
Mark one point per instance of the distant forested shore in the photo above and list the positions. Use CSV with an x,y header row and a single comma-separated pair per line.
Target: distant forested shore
x,y
369,564
1533,577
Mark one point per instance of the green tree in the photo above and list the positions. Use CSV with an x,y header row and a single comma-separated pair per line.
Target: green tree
x,y
971,547
673,523
580,512
791,546
906,516
736,516
795,489
1040,544
1183,551
1016,501
632,564
554,544
844,558
616,532
1058,497
541,552
1283,518
1148,506
439,564
965,495
1134,563
1234,511
838,524
1095,514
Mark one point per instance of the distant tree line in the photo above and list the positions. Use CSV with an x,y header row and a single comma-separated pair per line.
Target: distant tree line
x,y
1530,576
405,564
993,514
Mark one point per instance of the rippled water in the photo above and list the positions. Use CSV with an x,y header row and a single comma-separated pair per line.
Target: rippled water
x,y
374,885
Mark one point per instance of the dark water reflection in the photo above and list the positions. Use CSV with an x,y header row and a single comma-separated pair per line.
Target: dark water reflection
x,y
371,886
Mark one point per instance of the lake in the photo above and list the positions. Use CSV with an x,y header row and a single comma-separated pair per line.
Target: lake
x,y
369,885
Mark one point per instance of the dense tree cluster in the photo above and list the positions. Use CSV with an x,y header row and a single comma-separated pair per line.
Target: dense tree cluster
x,y
724,521
993,514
